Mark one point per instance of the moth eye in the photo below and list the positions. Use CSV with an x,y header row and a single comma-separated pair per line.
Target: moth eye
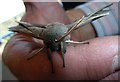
x,y
33,29
56,33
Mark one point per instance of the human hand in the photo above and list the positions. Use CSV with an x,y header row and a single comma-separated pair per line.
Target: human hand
x,y
83,62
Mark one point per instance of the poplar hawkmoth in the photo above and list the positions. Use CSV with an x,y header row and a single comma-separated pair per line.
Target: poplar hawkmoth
x,y
56,36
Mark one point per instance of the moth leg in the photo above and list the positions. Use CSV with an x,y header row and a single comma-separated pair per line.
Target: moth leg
x,y
63,50
70,30
50,58
34,53
85,19
76,42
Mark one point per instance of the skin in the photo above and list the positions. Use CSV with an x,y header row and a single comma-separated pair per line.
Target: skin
x,y
84,33
83,62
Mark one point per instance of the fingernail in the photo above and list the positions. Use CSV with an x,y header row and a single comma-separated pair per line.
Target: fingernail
x,y
115,63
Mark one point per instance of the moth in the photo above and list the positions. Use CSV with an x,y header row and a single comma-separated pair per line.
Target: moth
x,y
56,36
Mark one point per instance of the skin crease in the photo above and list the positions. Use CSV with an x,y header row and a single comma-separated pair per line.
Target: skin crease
x,y
82,66
40,17
83,62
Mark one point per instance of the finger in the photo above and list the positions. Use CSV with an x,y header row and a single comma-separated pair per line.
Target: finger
x,y
93,61
113,77
89,61
16,53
